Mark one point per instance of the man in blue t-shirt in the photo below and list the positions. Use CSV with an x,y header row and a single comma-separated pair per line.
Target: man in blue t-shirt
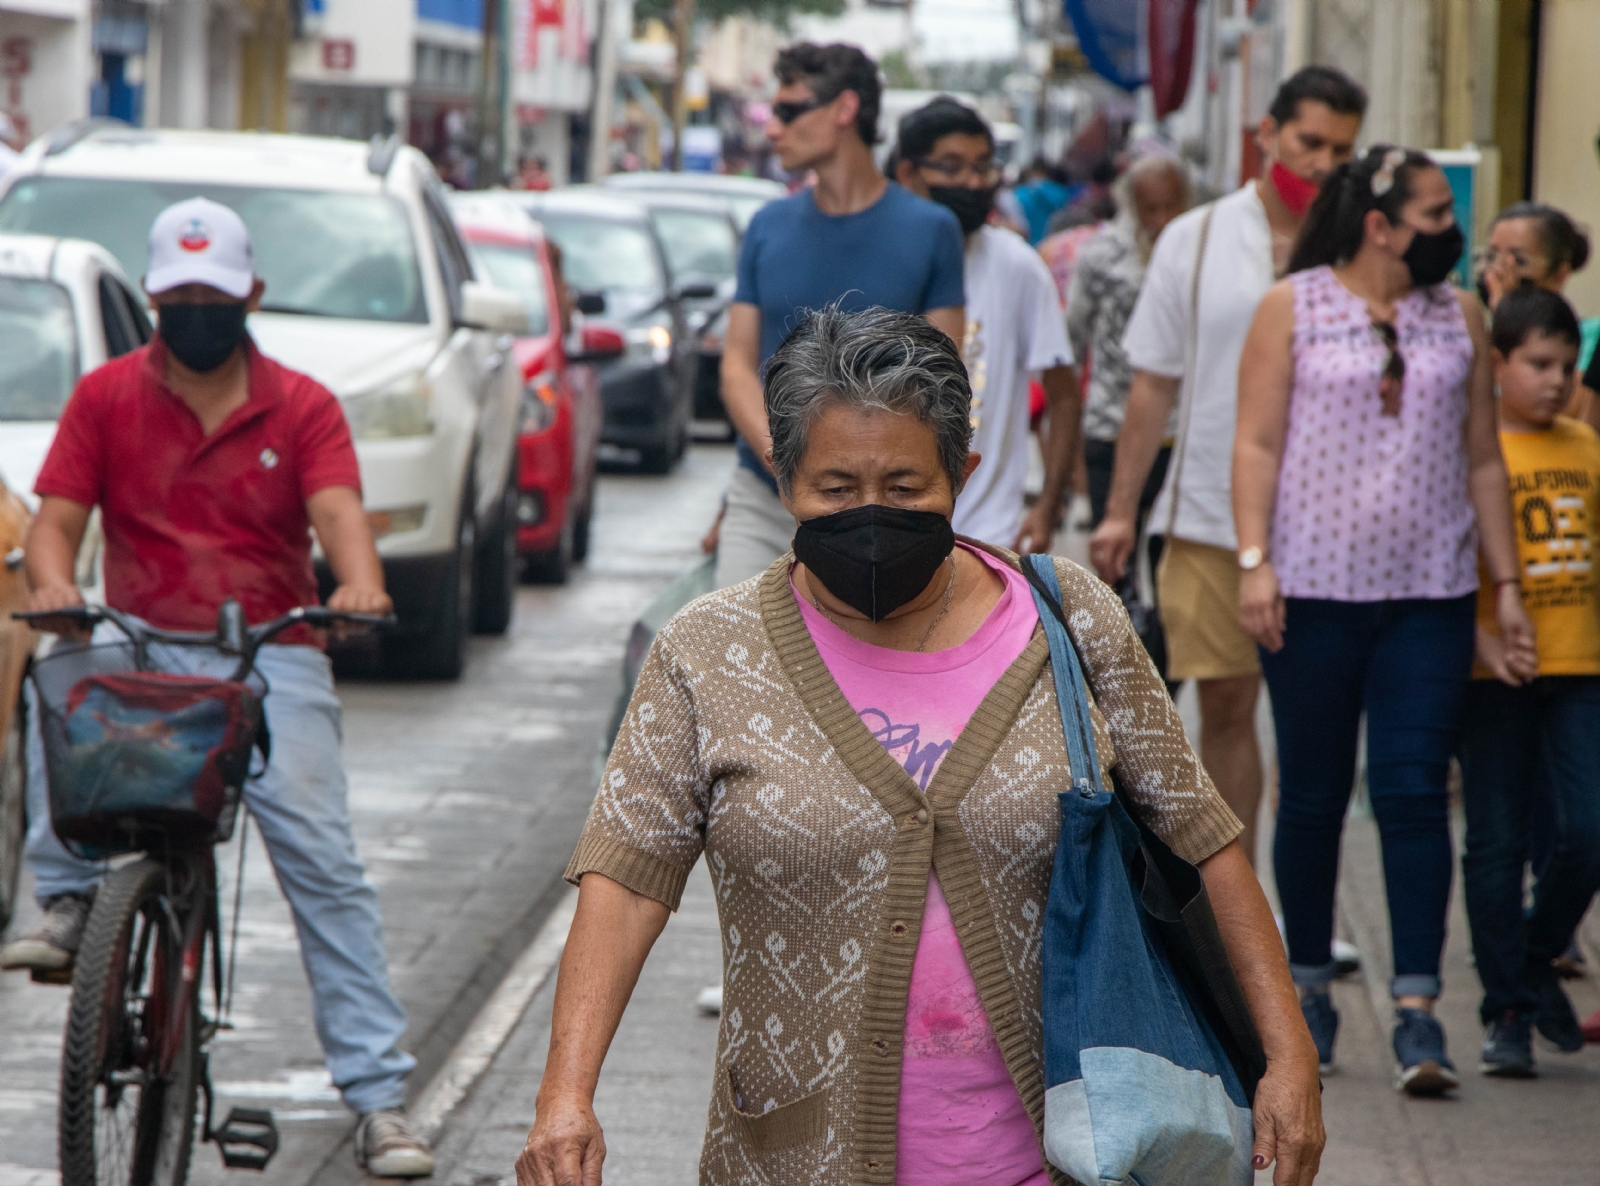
x,y
856,238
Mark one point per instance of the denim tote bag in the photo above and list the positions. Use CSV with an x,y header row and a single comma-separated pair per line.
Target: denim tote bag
x,y
1139,1088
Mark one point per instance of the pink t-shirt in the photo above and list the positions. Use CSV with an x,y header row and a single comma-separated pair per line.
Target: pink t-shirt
x,y
961,1120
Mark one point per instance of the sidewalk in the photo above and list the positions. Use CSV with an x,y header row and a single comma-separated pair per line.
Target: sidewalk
x,y
656,1083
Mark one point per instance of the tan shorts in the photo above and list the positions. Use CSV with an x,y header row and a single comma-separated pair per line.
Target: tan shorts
x,y
1198,593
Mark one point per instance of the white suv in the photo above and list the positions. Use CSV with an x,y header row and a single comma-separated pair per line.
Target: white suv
x,y
368,289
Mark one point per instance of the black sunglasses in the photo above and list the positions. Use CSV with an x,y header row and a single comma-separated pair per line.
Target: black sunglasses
x,y
787,113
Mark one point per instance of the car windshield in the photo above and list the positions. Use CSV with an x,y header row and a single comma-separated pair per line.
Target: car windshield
x,y
321,253
518,270
698,245
38,349
599,254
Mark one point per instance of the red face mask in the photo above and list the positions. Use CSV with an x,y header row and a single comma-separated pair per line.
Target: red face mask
x,y
1297,193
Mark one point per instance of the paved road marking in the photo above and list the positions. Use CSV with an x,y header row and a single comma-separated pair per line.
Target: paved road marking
x,y
494,1022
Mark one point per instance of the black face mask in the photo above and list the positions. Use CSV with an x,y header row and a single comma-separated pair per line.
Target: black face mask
x,y
874,558
970,206
1431,256
202,337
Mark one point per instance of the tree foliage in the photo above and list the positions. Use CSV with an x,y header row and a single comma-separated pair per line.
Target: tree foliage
x,y
776,12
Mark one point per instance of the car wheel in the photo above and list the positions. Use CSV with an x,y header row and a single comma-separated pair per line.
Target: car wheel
x,y
497,568
13,814
580,529
554,565
442,652
656,459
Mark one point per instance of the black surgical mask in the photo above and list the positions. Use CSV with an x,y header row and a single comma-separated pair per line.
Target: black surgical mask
x,y
874,558
1431,256
202,337
970,206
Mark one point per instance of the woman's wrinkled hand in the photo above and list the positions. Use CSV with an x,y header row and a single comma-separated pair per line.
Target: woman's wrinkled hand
x,y
565,1148
1288,1122
1261,606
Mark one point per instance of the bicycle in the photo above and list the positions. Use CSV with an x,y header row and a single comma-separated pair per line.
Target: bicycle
x,y
127,775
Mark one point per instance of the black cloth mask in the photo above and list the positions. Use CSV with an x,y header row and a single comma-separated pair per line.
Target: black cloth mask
x,y
874,558
970,206
1431,256
202,337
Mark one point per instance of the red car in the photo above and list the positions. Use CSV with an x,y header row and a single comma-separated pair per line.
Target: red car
x,y
561,410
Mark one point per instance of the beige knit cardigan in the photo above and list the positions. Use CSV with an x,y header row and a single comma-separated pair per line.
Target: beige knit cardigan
x,y
739,744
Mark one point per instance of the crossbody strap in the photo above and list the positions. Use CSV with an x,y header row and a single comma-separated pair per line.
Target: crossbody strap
x,y
1186,393
1071,687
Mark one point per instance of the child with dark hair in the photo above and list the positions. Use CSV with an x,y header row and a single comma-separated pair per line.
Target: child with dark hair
x,y
1526,735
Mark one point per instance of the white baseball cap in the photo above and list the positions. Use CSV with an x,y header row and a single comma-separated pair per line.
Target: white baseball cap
x,y
199,241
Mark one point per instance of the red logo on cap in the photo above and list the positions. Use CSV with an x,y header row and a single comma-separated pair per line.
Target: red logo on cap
x,y
195,236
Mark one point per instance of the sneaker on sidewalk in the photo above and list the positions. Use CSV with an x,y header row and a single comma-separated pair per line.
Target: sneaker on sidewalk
x,y
709,1002
1419,1048
1555,1018
1346,957
54,944
387,1148
1508,1047
1322,1019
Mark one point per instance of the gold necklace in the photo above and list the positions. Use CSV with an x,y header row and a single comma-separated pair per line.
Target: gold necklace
x,y
949,587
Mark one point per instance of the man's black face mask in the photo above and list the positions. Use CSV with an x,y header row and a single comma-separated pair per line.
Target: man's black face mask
x,y
874,558
202,337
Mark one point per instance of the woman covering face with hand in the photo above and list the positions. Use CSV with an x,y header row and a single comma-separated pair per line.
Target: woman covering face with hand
x,y
865,743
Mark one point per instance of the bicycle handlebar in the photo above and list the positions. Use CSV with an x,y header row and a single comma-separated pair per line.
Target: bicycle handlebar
x,y
243,642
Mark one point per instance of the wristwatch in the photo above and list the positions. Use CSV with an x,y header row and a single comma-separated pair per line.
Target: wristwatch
x,y
1251,558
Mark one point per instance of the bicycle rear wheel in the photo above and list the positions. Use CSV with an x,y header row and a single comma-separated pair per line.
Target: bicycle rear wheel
x,y
130,1065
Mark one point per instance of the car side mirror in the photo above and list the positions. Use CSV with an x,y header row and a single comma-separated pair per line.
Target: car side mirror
x,y
483,306
591,304
697,291
599,343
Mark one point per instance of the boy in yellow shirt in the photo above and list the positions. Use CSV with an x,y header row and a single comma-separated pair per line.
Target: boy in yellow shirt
x,y
1532,728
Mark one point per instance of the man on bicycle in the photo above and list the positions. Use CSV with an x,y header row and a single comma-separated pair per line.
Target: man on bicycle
x,y
211,465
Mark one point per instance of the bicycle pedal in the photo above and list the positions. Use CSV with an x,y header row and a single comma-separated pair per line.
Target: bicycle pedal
x,y
51,975
247,1139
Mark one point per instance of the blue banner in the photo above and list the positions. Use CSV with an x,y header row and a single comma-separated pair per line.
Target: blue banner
x,y
1108,33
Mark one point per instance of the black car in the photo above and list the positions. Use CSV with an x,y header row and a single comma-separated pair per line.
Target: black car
x,y
701,239
616,264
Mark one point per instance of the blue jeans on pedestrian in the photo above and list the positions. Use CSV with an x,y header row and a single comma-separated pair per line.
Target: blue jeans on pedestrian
x,y
1521,748
301,805
1406,663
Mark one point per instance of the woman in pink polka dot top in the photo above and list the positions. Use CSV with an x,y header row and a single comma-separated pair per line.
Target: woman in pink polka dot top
x,y
1366,475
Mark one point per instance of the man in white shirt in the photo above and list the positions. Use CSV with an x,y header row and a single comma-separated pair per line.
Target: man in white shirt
x,y
945,152
1246,237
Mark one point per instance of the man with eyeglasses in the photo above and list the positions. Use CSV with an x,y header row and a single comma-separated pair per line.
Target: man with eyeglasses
x,y
854,239
945,152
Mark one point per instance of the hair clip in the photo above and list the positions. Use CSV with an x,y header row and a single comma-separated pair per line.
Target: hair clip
x,y
1383,179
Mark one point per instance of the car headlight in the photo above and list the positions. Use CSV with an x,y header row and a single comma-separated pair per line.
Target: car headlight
x,y
657,339
538,403
403,408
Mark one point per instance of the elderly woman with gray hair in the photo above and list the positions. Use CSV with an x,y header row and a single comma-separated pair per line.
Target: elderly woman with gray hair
x,y
864,741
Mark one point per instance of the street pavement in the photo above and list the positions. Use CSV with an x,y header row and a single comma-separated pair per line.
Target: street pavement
x,y
467,799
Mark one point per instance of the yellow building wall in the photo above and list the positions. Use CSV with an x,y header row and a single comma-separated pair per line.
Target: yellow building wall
x,y
1566,162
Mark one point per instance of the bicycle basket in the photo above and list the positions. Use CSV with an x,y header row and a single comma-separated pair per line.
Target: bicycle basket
x,y
137,759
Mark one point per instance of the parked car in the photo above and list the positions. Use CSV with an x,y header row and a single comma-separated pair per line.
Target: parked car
x,y
561,407
744,195
17,641
615,262
370,289
66,307
701,240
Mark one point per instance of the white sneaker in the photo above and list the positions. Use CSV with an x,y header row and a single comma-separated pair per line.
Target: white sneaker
x,y
1346,956
387,1148
709,1002
54,945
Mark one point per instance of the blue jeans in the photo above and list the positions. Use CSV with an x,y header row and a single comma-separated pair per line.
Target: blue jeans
x,y
301,806
1406,664
1522,748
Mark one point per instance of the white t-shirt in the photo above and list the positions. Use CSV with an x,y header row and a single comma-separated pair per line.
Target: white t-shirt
x,y
1234,276
1014,327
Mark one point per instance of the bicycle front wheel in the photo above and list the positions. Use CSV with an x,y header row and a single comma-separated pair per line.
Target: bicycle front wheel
x,y
130,1065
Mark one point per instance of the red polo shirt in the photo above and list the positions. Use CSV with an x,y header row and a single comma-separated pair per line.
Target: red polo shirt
x,y
191,520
